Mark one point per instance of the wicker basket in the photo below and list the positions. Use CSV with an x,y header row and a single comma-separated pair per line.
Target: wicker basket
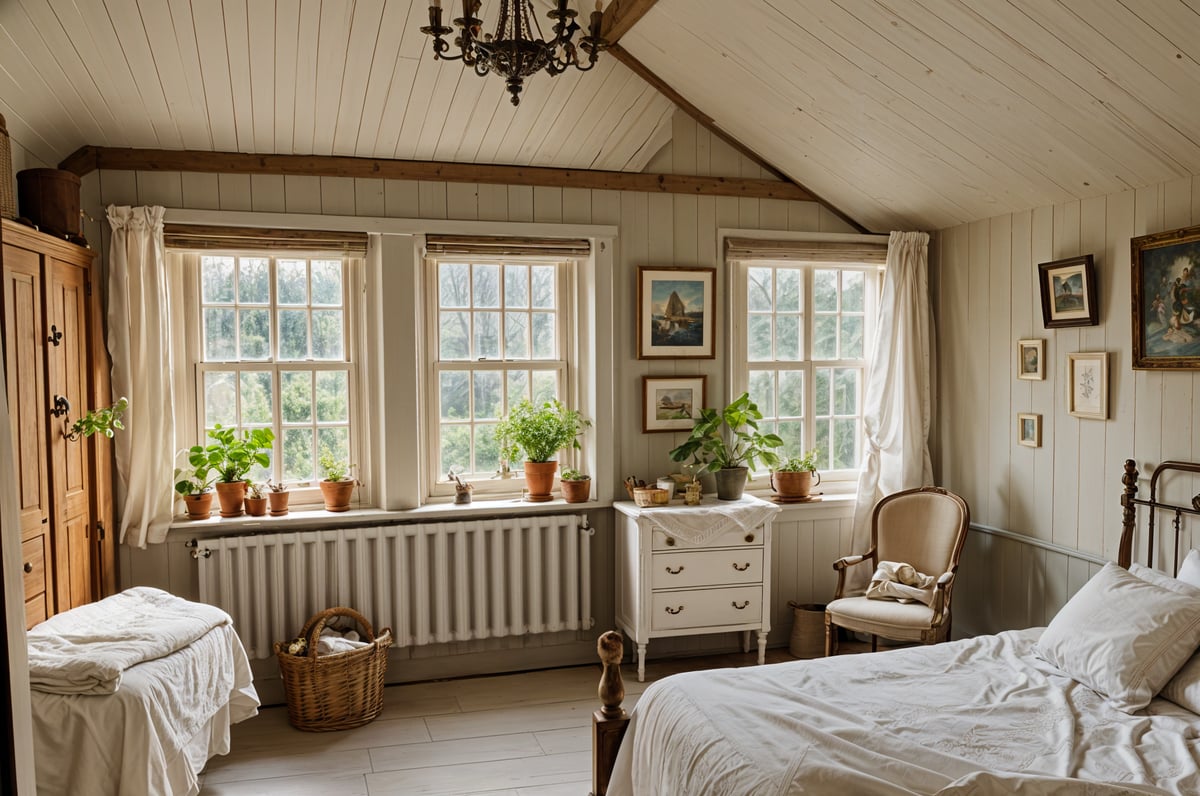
x,y
334,692
808,631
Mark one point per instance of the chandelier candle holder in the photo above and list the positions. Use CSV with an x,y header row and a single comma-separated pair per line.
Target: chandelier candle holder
x,y
513,51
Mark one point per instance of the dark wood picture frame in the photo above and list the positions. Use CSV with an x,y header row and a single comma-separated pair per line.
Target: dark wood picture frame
x,y
676,312
1166,315
685,394
1068,290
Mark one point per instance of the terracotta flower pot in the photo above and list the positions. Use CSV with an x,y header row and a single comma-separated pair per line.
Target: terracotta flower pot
x,y
230,495
337,494
731,481
199,507
256,506
278,502
539,480
794,484
576,491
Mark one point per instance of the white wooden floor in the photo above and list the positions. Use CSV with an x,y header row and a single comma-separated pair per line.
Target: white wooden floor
x,y
509,735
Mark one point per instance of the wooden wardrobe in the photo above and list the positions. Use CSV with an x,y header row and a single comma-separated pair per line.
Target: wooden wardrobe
x,y
56,367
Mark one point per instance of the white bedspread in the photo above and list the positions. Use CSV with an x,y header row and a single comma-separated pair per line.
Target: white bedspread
x,y
86,650
921,720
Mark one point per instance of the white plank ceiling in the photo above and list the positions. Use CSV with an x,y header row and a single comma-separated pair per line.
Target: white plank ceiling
x,y
901,113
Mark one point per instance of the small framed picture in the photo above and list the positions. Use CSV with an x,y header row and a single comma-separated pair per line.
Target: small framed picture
x,y
676,313
1069,292
1087,380
1029,430
671,403
1031,355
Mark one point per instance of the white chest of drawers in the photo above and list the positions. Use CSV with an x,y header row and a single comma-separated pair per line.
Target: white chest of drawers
x,y
667,586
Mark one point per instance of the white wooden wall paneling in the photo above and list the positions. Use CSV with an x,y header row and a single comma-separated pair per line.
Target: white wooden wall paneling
x,y
267,193
978,484
237,55
1090,472
1022,307
999,357
1115,302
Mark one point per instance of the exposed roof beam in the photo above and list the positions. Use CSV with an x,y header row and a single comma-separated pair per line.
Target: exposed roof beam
x,y
621,15
90,158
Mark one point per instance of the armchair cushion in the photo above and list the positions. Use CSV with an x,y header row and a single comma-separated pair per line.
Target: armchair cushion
x,y
901,621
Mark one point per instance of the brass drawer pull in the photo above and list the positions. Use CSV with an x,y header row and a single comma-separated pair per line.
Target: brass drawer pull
x,y
740,607
680,569
670,541
749,538
28,567
743,567
673,611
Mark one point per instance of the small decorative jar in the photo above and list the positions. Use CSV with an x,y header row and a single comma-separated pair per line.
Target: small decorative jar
x,y
691,493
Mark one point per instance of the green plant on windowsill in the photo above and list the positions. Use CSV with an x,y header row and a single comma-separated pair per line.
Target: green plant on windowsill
x,y
806,463
333,468
237,454
539,431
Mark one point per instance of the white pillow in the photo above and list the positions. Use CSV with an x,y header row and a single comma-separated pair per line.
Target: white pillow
x,y
1184,688
1189,570
1123,636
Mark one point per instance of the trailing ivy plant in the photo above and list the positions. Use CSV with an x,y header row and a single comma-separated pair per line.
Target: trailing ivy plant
x,y
539,431
729,438
100,421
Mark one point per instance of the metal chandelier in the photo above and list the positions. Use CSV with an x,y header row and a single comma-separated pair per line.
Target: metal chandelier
x,y
513,51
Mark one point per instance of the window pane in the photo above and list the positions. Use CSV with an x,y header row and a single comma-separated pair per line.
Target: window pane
x,y
758,338
543,286
298,454
543,335
545,386
487,450
516,286
335,442
487,335
845,434
517,387
255,336
758,289
822,377
333,396
791,393
453,279
516,335
787,290
327,282
219,335
845,391
293,334
853,291
455,453
295,397
762,391
787,341
254,280
291,282
825,337
487,394
822,442
852,337
220,398
454,335
454,395
216,280
327,334
487,286
257,409
825,298
792,432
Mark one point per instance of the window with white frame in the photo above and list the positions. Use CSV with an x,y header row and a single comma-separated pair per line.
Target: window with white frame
x,y
275,352
500,330
801,333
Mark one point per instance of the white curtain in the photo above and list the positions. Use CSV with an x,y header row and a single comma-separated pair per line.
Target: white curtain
x,y
899,401
139,326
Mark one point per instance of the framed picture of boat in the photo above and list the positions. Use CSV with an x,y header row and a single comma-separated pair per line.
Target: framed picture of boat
x,y
676,316
671,403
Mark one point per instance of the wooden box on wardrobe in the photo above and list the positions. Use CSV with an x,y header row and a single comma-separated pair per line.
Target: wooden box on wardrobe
x,y
54,358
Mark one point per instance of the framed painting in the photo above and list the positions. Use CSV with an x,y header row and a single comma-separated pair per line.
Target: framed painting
x,y
676,313
1087,381
1069,292
671,403
1031,357
1166,280
1029,430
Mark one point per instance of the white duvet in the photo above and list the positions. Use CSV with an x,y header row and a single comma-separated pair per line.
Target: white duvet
x,y
971,717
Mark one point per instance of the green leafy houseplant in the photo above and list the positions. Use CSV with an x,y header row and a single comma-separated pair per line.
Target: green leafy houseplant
x,y
100,421
729,438
539,431
806,463
337,487
333,468
571,474
238,454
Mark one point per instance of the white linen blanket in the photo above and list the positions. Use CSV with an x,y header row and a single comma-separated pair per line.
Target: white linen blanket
x,y
900,582
87,649
697,525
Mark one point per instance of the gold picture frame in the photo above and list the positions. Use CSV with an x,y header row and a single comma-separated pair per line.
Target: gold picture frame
x,y
671,403
1031,360
1029,430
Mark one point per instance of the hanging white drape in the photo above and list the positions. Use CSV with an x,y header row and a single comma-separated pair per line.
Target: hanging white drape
x,y
899,403
139,326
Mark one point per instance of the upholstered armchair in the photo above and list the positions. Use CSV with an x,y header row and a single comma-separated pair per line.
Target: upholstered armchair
x,y
924,527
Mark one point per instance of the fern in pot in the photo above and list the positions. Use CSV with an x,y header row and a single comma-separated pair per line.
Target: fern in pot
x,y
730,442
539,432
794,477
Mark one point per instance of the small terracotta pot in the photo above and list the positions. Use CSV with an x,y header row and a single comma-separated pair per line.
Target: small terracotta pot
x,y
576,491
199,507
539,480
279,502
230,495
256,507
337,494
793,484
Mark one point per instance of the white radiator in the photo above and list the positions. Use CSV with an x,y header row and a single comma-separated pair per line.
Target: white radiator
x,y
430,583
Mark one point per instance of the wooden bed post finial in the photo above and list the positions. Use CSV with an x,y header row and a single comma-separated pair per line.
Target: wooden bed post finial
x,y
1128,513
611,647
608,723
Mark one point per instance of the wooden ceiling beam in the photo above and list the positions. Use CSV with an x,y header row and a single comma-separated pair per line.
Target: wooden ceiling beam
x,y
90,158
621,15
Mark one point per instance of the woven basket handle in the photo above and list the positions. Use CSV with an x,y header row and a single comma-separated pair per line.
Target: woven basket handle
x,y
313,627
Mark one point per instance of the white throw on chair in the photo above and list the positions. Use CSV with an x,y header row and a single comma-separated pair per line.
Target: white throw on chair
x,y
923,527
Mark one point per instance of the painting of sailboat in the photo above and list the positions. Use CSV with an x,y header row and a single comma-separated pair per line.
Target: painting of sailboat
x,y
676,315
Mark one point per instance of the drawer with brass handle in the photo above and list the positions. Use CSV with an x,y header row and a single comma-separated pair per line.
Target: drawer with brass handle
x,y
706,607
685,570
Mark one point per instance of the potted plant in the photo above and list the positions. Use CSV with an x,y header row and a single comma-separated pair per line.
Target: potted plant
x,y
100,421
277,497
255,500
729,440
576,487
196,488
540,432
232,456
792,478
337,486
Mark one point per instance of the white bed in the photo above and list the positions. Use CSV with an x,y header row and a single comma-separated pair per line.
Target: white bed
x,y
153,734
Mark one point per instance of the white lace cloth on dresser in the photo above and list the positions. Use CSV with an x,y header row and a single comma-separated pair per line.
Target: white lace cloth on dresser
x,y
698,525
